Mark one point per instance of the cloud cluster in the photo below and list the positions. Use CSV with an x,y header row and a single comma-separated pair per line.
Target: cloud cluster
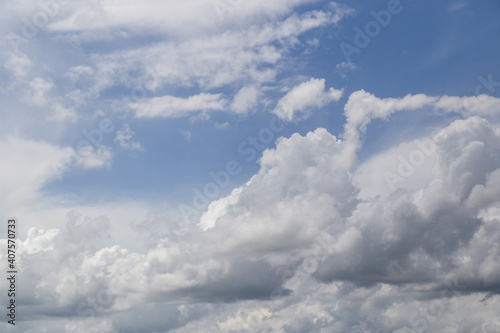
x,y
318,240
303,246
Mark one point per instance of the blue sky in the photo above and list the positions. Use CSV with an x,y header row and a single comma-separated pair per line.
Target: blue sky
x,y
382,144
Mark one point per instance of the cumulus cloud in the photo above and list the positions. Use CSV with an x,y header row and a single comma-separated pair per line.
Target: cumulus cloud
x,y
38,89
33,164
363,107
301,99
38,163
317,240
344,67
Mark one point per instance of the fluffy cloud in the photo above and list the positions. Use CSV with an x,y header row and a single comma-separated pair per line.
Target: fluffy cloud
x,y
245,99
312,242
38,163
404,240
299,101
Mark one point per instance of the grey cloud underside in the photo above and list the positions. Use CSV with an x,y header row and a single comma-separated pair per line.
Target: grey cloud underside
x,y
245,280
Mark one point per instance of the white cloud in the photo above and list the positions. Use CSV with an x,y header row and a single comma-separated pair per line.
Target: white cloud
x,y
482,105
167,16
457,6
175,107
300,224
38,89
18,64
39,94
124,137
202,61
299,215
313,242
26,167
90,157
299,101
245,99
344,67
408,165
363,107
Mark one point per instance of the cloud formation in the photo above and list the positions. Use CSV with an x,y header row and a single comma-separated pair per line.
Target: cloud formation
x,y
332,231
309,243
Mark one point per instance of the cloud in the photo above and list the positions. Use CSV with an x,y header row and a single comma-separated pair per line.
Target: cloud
x,y
299,101
483,105
202,60
406,239
297,249
33,167
91,158
344,67
38,94
408,165
363,107
175,107
245,99
124,138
